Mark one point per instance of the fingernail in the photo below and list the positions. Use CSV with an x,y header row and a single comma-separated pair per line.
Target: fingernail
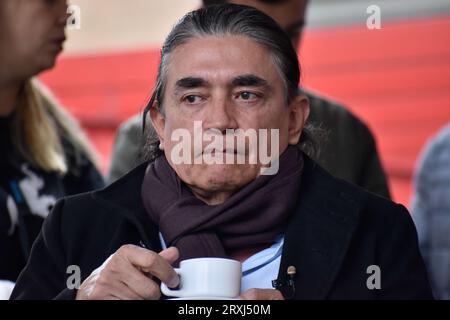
x,y
174,282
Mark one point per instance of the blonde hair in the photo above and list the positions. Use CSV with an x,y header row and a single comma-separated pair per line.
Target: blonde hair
x,y
39,127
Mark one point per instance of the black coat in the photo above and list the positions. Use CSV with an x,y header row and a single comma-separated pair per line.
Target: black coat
x,y
336,233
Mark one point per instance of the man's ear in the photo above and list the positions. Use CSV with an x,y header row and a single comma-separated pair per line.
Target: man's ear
x,y
299,113
158,121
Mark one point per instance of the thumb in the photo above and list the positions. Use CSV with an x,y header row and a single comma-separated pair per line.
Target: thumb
x,y
170,254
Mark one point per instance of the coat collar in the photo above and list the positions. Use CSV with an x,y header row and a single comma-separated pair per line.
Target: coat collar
x,y
319,233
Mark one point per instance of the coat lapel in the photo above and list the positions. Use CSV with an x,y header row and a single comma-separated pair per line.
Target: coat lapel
x,y
319,233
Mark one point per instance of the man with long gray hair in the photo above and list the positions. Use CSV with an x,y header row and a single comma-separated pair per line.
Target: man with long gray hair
x,y
299,232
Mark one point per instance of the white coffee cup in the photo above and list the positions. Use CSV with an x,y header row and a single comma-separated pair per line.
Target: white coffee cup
x,y
207,277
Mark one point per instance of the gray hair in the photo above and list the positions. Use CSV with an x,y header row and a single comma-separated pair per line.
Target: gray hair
x,y
228,20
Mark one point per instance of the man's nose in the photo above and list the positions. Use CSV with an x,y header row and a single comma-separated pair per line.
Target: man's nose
x,y
220,116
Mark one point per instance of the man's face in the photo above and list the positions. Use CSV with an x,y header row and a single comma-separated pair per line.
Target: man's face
x,y
227,82
289,14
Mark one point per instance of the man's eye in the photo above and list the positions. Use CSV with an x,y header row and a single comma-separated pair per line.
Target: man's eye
x,y
192,99
247,96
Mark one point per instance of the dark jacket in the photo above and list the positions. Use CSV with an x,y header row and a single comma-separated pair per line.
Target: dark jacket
x,y
349,151
337,232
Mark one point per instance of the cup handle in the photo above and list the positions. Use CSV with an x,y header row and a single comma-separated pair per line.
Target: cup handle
x,y
169,292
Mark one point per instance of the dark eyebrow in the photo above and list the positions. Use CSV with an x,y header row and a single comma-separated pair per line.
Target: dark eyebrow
x,y
191,82
249,80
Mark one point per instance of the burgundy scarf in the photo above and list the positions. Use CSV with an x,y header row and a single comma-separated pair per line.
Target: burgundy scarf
x,y
252,216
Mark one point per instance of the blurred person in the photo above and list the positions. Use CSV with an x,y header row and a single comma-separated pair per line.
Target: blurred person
x,y
44,154
231,69
348,151
431,210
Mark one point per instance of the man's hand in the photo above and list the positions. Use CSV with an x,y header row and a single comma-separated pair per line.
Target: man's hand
x,y
261,294
126,275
